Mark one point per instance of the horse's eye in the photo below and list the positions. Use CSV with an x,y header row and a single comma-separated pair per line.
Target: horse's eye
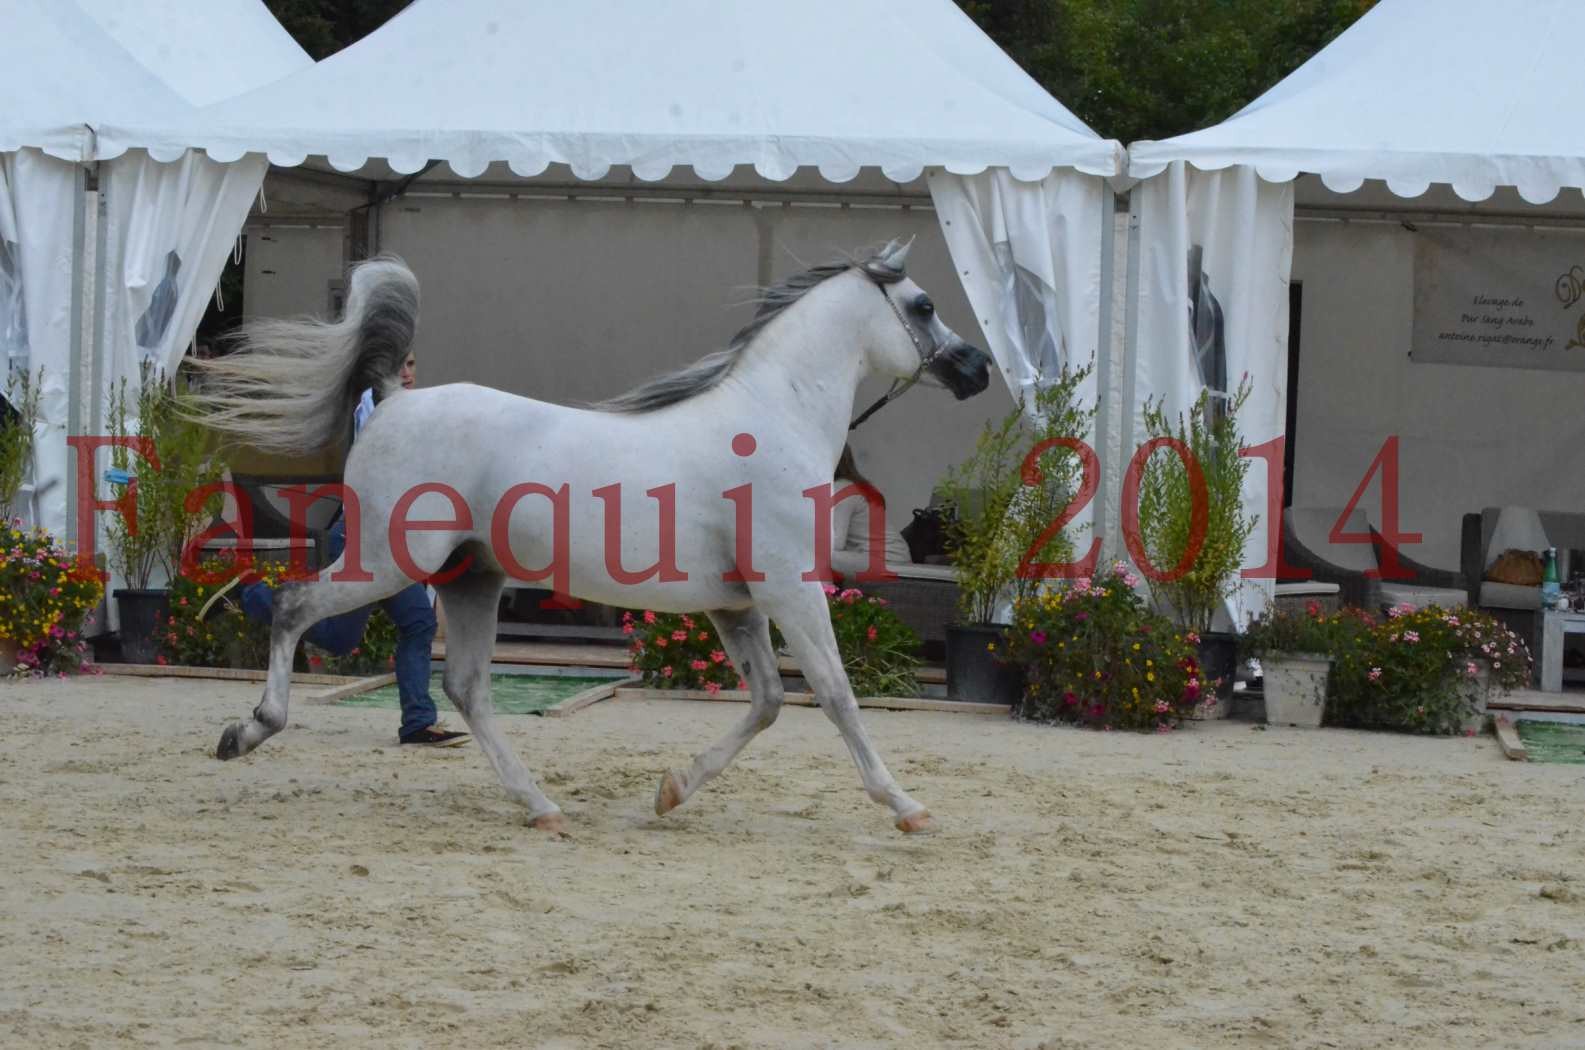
x,y
924,305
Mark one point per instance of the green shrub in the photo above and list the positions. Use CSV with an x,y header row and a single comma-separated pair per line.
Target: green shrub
x,y
1415,671
679,651
227,637
1095,654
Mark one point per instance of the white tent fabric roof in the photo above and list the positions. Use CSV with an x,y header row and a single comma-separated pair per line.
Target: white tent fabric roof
x,y
204,50
833,84
1464,92
65,73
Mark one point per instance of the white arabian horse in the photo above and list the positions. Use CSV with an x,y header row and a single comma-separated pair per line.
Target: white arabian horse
x,y
675,477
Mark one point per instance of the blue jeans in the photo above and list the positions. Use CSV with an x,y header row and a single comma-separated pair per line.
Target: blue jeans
x,y
409,609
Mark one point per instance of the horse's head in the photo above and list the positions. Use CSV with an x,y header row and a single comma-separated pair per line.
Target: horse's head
x,y
920,340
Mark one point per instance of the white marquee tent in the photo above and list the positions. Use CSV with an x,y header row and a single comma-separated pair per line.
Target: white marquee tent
x,y
1416,94
161,230
829,86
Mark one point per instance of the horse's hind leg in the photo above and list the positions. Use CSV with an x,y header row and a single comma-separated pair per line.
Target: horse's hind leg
x,y
471,603
745,635
805,621
297,608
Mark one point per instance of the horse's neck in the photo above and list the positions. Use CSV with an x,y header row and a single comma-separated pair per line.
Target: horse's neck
x,y
806,366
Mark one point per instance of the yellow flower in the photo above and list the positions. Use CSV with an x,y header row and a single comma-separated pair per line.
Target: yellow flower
x,y
1136,647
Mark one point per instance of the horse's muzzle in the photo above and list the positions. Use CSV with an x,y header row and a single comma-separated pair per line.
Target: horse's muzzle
x,y
963,369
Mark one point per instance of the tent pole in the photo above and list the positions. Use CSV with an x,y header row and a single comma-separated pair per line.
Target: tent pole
x,y
1130,342
74,372
1101,515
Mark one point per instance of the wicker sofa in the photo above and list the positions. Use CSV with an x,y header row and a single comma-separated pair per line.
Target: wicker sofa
x,y
1307,546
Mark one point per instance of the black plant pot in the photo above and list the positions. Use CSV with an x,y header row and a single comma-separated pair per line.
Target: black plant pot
x,y
976,673
1218,656
142,615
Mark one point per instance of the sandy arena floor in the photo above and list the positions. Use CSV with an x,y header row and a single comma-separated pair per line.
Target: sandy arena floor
x,y
1223,886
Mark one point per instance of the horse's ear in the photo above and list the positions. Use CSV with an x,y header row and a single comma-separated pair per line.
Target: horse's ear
x,y
895,254
891,261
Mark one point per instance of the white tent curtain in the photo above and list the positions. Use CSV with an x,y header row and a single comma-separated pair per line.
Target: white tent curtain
x,y
37,211
169,230
1029,257
1216,250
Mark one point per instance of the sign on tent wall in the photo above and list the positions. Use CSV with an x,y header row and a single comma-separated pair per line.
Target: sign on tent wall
x,y
1499,298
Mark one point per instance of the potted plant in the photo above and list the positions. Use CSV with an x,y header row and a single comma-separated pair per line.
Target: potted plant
x,y
44,595
1094,653
1193,537
1419,671
1295,653
152,538
1005,497
19,414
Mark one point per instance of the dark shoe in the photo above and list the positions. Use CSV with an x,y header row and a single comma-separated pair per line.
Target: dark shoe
x,y
436,736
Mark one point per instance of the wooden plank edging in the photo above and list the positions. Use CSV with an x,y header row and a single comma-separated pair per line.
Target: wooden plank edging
x,y
355,687
887,703
592,695
1508,740
223,674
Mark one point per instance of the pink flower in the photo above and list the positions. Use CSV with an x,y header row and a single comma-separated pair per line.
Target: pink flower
x,y
687,621
627,616
679,636
1411,636
717,656
1162,707
1081,616
160,659
872,633
851,595
830,589
704,636
1375,674
1192,638
1038,637
699,665
1130,580
1082,584
649,617
665,672
660,643
627,628
712,688
741,684
1471,669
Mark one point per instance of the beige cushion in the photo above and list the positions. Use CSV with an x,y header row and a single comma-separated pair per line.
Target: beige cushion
x,y
1495,595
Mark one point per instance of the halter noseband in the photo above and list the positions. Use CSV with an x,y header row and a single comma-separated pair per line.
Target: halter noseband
x,y
899,386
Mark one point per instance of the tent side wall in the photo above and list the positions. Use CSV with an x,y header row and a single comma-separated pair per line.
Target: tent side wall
x,y
573,301
1470,437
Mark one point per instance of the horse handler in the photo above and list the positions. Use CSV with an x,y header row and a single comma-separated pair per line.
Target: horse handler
x,y
410,609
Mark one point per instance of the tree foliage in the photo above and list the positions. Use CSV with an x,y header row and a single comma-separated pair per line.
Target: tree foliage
x,y
1149,69
323,27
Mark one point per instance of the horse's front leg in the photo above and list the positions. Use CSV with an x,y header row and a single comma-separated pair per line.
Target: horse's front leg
x,y
745,635
806,622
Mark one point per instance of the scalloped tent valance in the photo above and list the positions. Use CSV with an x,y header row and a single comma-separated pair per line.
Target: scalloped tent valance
x,y
836,85
1417,92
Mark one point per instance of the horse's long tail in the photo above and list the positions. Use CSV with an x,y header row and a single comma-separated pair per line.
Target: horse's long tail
x,y
290,386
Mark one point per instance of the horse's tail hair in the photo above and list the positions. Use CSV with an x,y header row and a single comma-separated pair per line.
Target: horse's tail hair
x,y
289,386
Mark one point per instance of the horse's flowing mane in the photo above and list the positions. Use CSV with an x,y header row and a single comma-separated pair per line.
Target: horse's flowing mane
x,y
708,371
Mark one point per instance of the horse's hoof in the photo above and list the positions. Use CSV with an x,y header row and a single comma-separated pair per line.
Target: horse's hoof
x,y
230,743
669,796
550,824
915,823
